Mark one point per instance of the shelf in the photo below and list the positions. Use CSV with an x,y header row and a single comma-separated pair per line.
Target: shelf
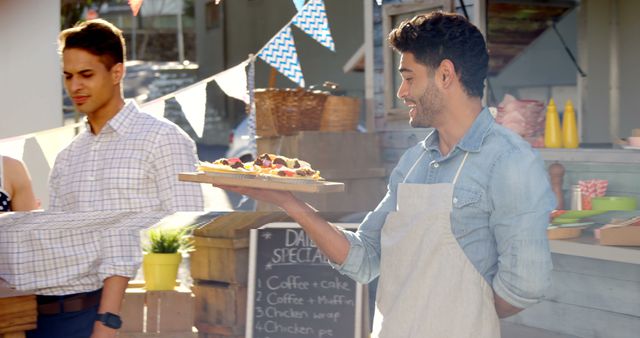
x,y
587,246
591,155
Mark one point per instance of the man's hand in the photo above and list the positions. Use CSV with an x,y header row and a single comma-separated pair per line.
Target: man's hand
x,y
101,331
504,309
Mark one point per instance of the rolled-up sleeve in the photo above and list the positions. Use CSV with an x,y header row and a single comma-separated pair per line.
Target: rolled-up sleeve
x,y
120,254
363,260
522,200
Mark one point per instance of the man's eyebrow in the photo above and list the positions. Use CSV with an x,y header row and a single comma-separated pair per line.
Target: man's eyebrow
x,y
83,72
405,70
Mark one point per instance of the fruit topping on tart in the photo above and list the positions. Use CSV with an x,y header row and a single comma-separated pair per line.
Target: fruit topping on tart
x,y
228,165
269,165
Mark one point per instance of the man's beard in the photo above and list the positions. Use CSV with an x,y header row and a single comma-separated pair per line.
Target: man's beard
x,y
428,108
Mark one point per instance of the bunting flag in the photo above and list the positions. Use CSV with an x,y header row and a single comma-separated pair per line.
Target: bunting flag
x,y
155,108
194,103
233,82
298,4
135,6
13,148
280,52
313,21
51,143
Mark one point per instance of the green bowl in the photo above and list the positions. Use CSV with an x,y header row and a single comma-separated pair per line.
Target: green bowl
x,y
579,214
614,203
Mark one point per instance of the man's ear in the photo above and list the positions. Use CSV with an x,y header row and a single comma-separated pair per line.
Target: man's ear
x,y
117,72
446,73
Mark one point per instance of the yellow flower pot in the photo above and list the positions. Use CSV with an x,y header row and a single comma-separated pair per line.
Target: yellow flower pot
x,y
161,270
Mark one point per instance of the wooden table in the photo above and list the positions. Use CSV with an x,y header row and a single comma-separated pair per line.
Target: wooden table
x,y
18,312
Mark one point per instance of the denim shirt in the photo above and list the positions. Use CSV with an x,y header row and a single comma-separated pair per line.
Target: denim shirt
x,y
501,207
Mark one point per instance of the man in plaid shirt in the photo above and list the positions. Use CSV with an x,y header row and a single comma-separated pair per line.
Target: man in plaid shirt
x,y
126,160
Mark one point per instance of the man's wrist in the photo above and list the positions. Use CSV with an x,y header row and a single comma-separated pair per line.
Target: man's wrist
x,y
110,320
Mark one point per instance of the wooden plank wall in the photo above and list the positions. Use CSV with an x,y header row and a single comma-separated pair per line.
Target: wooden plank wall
x,y
589,298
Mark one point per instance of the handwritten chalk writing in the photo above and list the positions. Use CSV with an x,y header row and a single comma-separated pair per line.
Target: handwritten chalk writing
x,y
332,300
336,283
297,293
288,298
272,312
327,315
290,283
325,333
271,326
297,256
294,237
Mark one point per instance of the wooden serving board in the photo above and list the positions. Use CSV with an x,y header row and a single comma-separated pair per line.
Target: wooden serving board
x,y
309,186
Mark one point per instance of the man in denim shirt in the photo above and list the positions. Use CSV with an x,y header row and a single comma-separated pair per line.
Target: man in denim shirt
x,y
460,238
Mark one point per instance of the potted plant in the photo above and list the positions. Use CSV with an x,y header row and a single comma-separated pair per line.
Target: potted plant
x,y
163,255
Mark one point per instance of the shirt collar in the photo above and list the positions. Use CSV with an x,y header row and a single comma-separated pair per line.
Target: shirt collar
x,y
472,139
119,122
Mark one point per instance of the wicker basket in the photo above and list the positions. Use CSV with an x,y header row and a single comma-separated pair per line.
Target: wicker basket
x,y
341,113
286,111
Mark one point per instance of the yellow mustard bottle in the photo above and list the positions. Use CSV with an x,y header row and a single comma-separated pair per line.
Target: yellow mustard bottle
x,y
552,132
569,127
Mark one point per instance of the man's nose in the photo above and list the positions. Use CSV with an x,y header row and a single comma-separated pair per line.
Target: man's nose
x,y
73,85
402,91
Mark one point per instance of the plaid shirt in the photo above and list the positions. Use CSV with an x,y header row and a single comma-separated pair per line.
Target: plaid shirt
x,y
60,253
131,165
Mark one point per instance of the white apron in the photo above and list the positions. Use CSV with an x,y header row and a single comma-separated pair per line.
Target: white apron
x,y
427,286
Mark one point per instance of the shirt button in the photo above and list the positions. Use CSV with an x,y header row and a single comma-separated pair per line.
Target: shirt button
x,y
455,200
435,164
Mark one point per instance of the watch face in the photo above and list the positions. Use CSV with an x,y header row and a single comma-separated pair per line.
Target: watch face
x,y
110,320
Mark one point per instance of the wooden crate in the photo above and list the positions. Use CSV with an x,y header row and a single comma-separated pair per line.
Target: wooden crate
x,y
220,308
208,335
17,314
157,335
157,312
222,246
220,259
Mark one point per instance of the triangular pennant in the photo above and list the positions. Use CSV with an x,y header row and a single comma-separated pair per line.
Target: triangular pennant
x,y
135,6
155,108
298,4
13,148
194,102
281,54
312,19
233,82
51,143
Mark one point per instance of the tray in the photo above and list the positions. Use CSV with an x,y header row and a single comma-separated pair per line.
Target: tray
x,y
563,233
311,186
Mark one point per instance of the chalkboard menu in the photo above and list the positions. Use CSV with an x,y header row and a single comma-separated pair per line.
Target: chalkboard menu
x,y
294,292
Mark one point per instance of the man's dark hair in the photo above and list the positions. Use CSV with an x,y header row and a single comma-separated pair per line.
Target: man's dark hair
x,y
98,37
437,36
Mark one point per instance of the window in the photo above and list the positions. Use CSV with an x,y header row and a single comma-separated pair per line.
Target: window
x,y
392,15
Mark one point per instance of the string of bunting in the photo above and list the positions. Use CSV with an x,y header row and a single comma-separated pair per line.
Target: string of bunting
x,y
311,18
279,52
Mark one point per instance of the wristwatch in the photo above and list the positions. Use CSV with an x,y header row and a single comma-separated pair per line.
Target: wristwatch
x,y
109,320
